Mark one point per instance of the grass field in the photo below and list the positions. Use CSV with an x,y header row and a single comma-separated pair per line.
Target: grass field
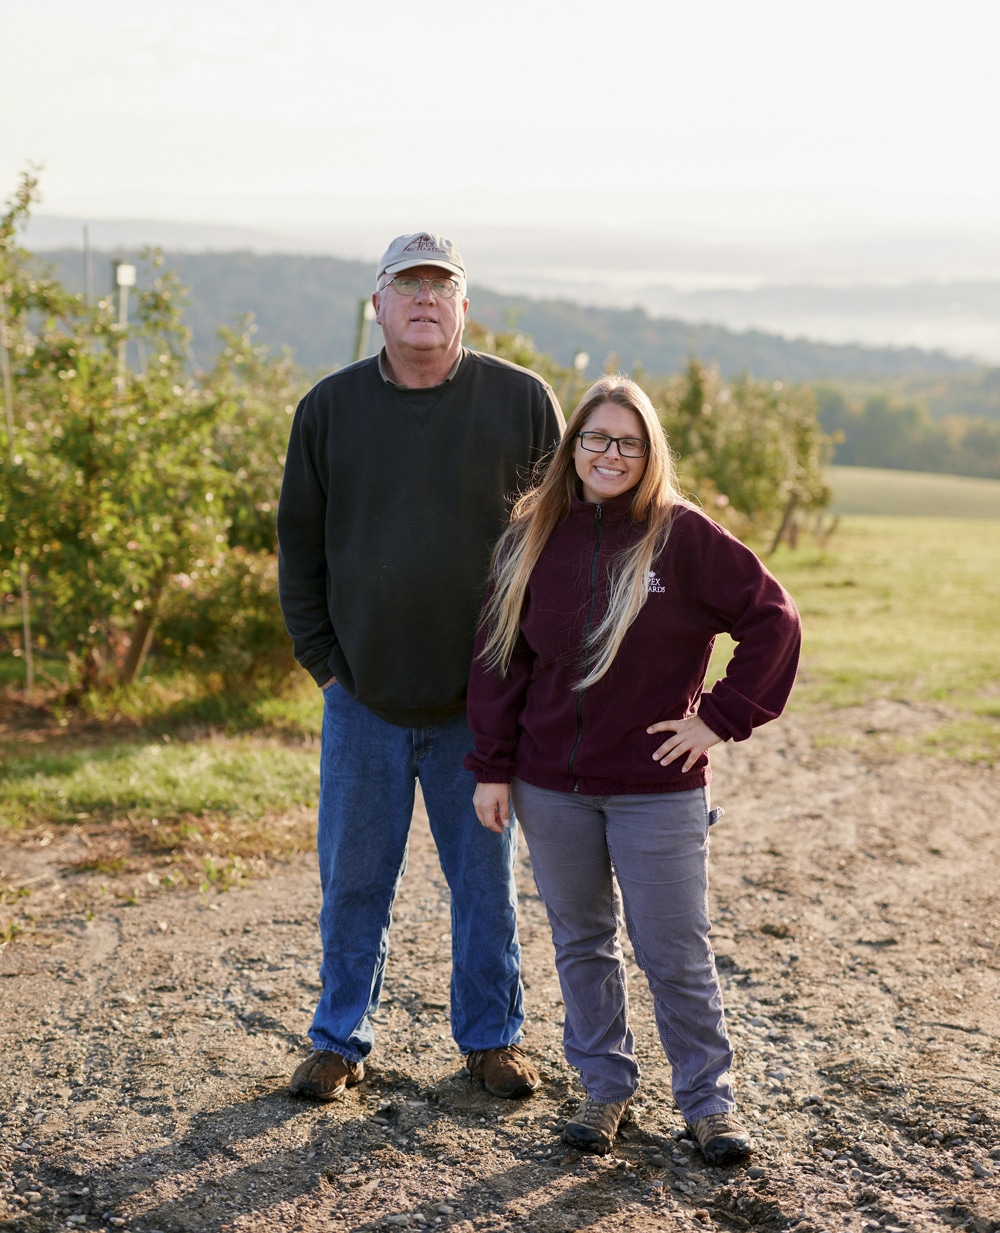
x,y
867,490
142,776
903,603
900,607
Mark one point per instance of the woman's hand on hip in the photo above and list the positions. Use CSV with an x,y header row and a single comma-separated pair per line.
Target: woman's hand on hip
x,y
691,736
491,802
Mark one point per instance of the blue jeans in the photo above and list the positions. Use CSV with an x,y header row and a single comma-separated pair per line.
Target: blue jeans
x,y
592,857
368,774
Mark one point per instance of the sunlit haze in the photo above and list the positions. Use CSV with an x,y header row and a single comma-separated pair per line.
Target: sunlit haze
x,y
718,144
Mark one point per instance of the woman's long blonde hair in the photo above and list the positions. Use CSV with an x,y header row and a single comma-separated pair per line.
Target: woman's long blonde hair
x,y
540,510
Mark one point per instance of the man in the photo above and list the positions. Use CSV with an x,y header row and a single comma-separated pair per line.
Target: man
x,y
397,484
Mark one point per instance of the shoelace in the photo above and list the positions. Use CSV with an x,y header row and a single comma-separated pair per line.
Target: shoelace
x,y
508,1051
594,1112
513,1052
718,1124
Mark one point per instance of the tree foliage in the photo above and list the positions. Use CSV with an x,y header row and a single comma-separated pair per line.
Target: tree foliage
x,y
123,490
883,430
569,384
752,452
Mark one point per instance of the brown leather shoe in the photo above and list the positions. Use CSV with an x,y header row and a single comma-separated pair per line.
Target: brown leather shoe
x,y
593,1127
324,1075
505,1072
723,1140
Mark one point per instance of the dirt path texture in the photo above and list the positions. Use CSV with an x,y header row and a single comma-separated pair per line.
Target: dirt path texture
x,y
147,1046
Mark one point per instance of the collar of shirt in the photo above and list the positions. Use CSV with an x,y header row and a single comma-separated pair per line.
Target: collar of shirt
x,y
383,369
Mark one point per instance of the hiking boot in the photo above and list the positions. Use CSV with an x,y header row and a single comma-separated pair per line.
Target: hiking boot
x,y
505,1072
324,1075
593,1127
722,1139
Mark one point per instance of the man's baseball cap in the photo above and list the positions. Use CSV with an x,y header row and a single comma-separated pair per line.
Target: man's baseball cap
x,y
422,248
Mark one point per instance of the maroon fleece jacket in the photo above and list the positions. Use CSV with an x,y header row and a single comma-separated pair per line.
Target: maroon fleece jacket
x,y
532,722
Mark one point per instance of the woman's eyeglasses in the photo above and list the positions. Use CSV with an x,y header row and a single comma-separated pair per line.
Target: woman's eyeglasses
x,y
600,443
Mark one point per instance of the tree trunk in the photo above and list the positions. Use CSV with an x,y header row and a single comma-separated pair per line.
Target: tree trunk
x,y
29,653
786,520
142,631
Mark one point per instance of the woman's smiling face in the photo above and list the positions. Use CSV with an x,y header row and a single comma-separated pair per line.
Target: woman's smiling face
x,y
608,475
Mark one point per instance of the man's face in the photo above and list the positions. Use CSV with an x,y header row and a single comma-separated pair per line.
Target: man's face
x,y
421,322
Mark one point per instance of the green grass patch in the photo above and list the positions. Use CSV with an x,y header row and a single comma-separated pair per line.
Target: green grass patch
x,y
898,607
175,702
172,783
969,739
904,608
176,782
239,777
917,494
206,812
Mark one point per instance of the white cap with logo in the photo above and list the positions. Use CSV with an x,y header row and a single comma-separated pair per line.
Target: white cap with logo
x,y
422,248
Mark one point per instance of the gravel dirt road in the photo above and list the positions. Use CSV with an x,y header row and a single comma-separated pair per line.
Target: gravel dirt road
x,y
146,1047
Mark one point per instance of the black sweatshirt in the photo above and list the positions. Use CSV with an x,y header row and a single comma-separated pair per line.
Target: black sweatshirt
x,y
390,505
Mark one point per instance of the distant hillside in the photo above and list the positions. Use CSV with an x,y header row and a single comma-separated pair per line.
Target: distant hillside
x,y
311,303
307,303
663,346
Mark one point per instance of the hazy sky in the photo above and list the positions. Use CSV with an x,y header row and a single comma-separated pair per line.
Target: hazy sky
x,y
254,113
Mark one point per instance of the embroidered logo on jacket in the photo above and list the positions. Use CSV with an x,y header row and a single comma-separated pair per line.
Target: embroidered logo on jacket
x,y
653,583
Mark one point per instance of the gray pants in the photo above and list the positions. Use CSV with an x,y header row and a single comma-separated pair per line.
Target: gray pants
x,y
656,848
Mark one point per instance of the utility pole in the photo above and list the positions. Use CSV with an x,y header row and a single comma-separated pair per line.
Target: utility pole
x,y
580,361
8,402
366,315
88,279
125,278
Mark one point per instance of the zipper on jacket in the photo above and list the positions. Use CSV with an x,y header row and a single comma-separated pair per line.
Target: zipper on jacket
x,y
598,519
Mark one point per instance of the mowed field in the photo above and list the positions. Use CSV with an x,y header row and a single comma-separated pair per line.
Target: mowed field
x,y
870,490
900,604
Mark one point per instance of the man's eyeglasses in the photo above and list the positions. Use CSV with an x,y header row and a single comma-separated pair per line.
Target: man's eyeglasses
x,y
443,288
600,443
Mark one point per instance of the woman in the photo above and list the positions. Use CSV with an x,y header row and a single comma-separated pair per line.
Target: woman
x,y
589,713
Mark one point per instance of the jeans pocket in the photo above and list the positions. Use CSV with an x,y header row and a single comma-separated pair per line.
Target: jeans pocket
x,y
715,815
